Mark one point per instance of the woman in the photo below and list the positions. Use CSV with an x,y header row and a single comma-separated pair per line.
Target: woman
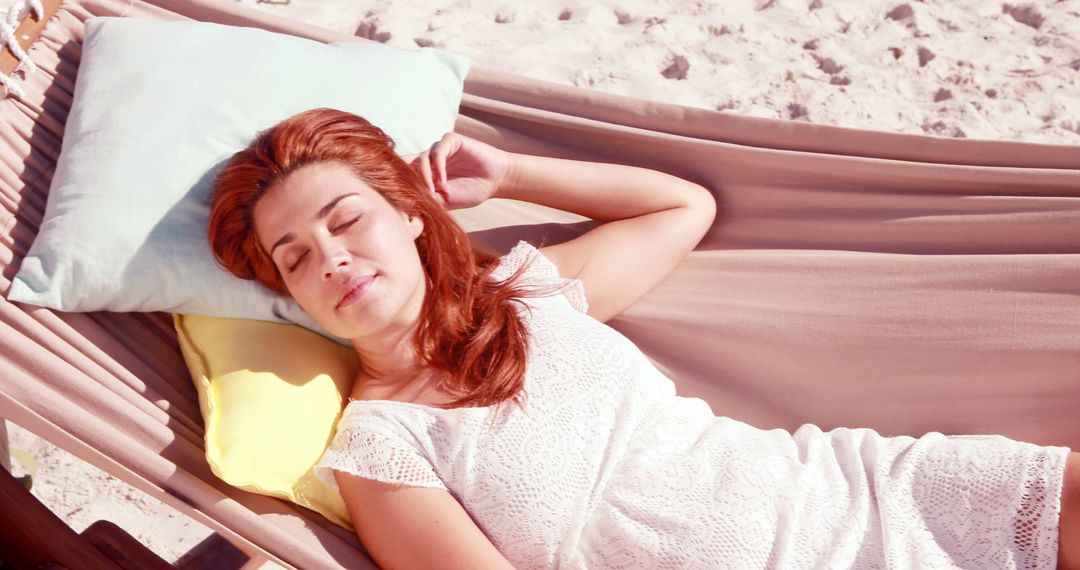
x,y
495,420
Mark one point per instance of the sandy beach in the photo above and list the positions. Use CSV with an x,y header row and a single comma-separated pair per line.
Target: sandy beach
x,y
984,70
950,68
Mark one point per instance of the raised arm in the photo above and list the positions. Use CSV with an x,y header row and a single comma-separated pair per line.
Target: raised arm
x,y
651,220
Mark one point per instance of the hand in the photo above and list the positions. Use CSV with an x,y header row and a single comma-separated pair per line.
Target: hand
x,y
459,171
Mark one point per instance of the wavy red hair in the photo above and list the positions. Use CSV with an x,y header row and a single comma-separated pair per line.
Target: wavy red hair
x,y
469,327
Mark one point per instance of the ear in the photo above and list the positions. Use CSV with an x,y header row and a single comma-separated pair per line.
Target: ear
x,y
416,225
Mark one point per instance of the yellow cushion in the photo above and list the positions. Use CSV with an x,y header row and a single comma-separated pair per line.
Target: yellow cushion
x,y
271,395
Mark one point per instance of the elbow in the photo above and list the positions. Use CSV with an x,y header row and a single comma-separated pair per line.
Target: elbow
x,y
709,205
702,209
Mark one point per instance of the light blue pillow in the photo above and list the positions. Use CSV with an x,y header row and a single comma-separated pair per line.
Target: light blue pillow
x,y
158,108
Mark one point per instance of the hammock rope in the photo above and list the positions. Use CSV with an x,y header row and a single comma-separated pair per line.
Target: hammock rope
x,y
15,15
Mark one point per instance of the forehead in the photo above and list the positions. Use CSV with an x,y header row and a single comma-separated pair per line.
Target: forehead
x,y
299,197
314,184
311,187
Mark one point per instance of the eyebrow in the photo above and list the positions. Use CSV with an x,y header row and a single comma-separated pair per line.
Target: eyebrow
x,y
325,211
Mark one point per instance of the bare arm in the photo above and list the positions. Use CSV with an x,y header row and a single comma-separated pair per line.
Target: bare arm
x,y
652,220
415,527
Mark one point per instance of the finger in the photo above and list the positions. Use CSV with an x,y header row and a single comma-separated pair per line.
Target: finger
x,y
436,171
425,172
446,146
424,163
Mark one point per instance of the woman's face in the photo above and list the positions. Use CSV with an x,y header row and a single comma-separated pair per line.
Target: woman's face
x,y
347,256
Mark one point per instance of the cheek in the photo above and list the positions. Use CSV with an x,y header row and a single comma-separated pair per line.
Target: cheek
x,y
304,294
402,239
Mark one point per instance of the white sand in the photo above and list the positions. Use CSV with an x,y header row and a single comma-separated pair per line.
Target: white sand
x,y
971,68
965,68
81,494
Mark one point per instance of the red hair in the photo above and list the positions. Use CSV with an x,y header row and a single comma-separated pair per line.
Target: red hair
x,y
468,326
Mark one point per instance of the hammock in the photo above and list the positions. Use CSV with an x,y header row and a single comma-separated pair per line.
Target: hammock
x,y
853,278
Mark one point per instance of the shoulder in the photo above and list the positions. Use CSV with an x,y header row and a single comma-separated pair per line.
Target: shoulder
x,y
535,271
371,445
524,255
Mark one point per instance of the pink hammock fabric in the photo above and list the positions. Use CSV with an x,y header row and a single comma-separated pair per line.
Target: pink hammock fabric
x,y
903,283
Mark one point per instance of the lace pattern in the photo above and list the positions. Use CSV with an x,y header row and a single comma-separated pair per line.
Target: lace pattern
x,y
366,451
605,467
541,273
973,487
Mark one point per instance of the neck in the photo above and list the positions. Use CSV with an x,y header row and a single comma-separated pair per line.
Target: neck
x,y
388,355
390,369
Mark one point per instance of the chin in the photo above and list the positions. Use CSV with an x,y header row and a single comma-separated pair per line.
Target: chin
x,y
352,324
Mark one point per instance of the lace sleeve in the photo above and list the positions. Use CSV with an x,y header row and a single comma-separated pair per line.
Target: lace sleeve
x,y
372,453
540,272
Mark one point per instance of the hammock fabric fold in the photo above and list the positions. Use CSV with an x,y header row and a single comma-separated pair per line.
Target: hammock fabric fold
x,y
853,278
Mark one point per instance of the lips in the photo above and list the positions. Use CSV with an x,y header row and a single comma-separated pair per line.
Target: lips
x,y
354,288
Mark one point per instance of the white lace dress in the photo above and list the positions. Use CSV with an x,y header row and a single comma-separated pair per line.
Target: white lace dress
x,y
605,467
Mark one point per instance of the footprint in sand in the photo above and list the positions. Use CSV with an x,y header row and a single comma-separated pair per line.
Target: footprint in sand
x,y
369,29
655,21
1026,14
1072,126
678,68
940,128
925,56
504,17
903,14
828,65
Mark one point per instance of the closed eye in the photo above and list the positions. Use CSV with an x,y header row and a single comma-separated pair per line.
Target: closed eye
x,y
334,230
296,263
342,227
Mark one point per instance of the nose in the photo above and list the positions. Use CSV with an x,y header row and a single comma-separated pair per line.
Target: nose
x,y
335,259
